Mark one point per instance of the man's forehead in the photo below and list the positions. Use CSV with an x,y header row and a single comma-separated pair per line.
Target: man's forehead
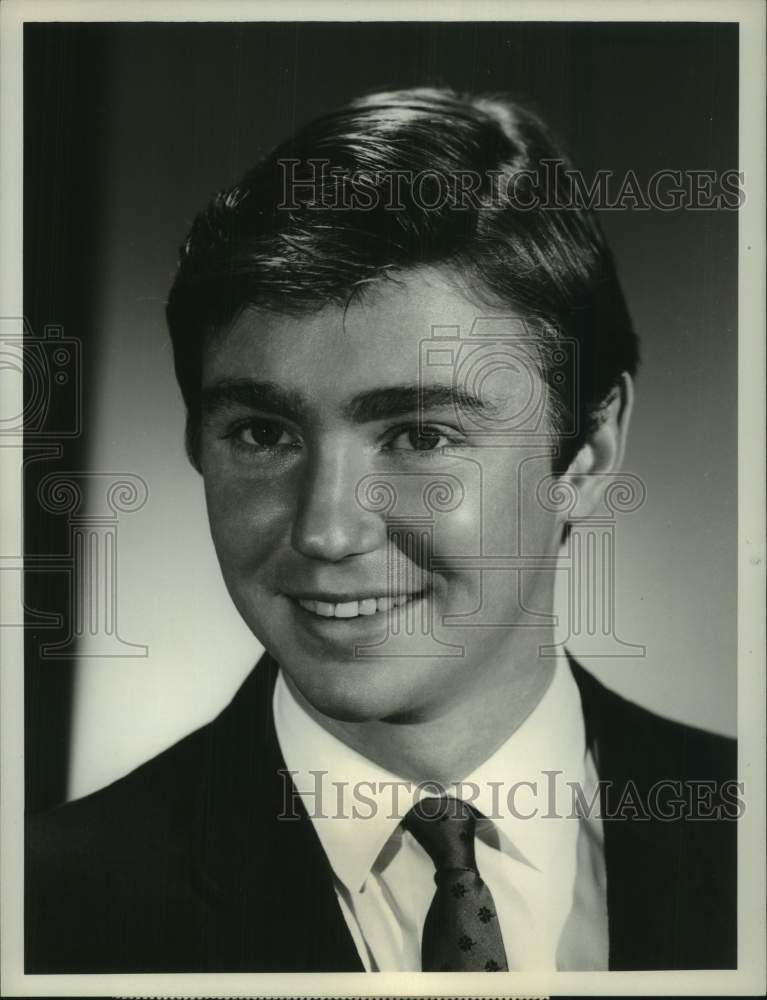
x,y
411,344
400,310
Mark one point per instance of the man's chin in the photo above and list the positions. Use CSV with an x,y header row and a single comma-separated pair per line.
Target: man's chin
x,y
353,692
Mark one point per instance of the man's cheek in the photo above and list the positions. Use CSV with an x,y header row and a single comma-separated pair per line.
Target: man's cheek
x,y
460,532
231,524
533,518
243,532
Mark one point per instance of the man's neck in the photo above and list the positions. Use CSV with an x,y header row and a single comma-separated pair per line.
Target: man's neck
x,y
453,742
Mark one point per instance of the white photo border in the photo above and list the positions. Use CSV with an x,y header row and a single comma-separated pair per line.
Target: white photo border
x,y
749,978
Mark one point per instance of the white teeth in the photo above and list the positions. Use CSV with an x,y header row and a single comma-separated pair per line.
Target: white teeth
x,y
351,609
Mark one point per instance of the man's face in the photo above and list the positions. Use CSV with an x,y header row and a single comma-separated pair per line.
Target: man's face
x,y
352,486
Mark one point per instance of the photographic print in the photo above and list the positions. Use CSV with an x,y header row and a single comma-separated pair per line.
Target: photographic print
x,y
385,555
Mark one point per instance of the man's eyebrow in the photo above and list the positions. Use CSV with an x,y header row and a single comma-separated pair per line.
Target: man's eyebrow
x,y
401,400
266,396
365,407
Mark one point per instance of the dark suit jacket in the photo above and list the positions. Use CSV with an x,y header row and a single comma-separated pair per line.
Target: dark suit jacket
x,y
181,865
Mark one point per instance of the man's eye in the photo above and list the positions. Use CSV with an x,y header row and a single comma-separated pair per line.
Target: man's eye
x,y
263,434
420,439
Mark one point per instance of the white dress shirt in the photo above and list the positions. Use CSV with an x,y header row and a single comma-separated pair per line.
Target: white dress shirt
x,y
544,866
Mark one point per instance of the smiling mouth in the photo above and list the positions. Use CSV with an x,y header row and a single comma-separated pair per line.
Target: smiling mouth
x,y
355,609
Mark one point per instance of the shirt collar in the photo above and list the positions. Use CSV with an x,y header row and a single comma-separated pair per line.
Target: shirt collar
x,y
355,805
345,794
525,786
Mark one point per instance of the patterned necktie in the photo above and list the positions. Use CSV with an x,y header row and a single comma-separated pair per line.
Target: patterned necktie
x,y
461,932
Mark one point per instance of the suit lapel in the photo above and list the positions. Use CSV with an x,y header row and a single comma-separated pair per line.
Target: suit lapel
x,y
641,854
265,879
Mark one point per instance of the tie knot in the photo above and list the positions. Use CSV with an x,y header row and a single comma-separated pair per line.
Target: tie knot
x,y
444,827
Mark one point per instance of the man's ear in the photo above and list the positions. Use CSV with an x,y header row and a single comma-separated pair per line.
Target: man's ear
x,y
602,452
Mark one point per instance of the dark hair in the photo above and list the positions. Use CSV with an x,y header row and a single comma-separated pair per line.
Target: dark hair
x,y
342,223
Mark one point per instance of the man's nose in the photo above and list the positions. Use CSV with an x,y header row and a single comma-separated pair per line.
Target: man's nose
x,y
329,523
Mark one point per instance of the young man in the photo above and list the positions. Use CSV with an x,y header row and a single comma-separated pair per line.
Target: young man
x,y
397,339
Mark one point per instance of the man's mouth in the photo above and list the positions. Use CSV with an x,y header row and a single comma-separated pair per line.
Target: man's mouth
x,y
356,608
